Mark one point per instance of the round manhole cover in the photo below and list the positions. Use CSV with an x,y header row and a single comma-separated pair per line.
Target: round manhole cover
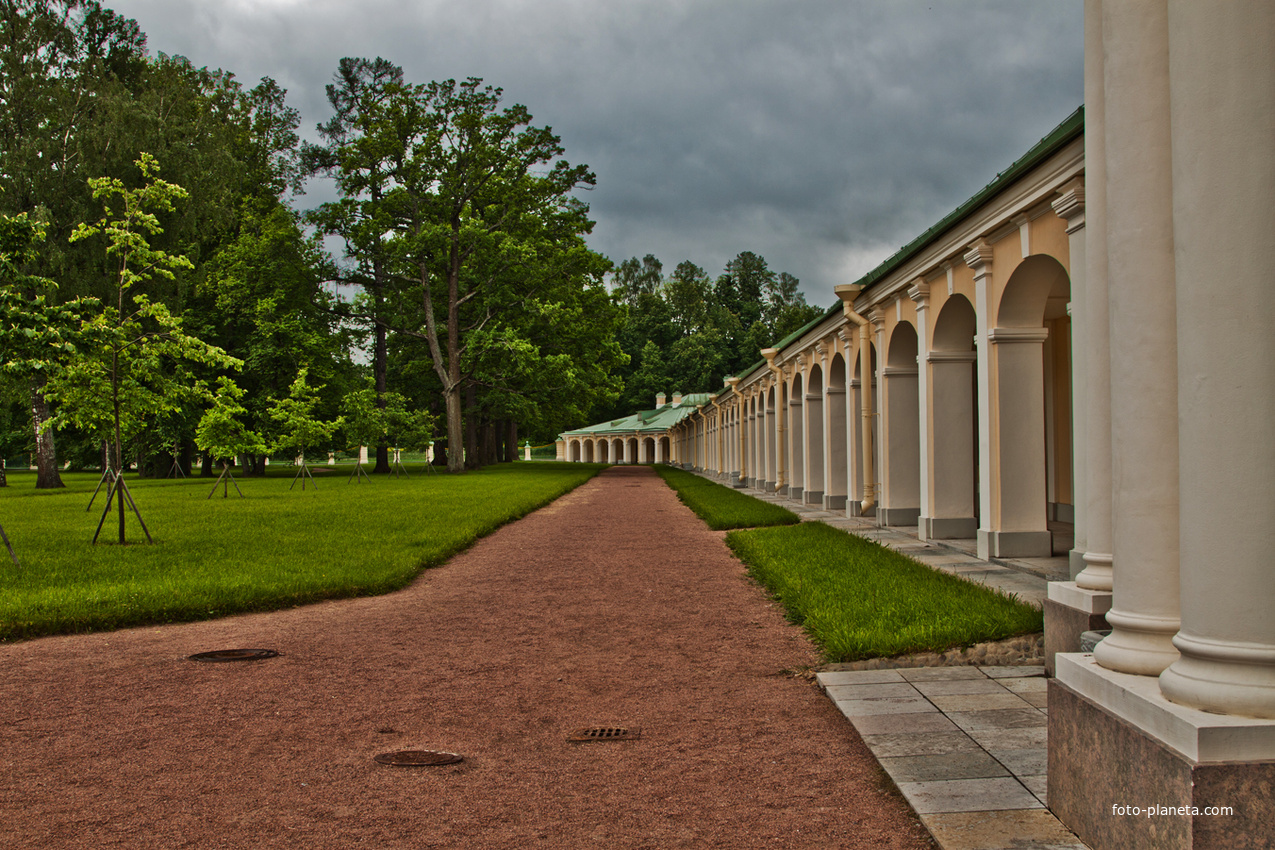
x,y
233,655
419,758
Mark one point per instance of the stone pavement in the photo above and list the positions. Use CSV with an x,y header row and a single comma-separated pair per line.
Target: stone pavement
x,y
965,745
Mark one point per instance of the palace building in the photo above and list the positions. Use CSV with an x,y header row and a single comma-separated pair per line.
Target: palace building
x,y
1079,359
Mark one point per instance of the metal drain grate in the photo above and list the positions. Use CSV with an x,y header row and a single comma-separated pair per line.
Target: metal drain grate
x,y
604,733
419,758
233,655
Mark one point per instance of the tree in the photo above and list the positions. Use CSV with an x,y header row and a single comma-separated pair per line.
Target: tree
x,y
460,203
135,368
296,426
222,434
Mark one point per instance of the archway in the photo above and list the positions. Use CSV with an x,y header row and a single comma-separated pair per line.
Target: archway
x,y
588,451
812,419
952,507
631,450
1030,437
838,441
901,431
574,450
771,440
648,447
796,458
664,455
604,451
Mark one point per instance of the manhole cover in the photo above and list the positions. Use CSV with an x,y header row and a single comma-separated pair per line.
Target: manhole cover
x,y
419,758
604,733
234,655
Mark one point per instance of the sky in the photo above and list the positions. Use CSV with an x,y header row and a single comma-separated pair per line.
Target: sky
x,y
820,134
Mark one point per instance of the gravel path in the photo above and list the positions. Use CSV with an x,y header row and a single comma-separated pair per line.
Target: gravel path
x,y
612,606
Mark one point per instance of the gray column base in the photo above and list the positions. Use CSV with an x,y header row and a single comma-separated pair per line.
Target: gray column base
x,y
834,503
855,508
768,486
737,484
1063,628
752,482
794,493
1061,512
1075,563
812,497
1099,761
899,516
1015,544
947,528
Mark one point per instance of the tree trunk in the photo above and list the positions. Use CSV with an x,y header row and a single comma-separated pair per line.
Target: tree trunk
x,y
46,460
511,441
471,428
206,466
380,365
455,432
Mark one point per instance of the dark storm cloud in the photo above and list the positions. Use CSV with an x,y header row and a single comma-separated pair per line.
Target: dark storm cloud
x,y
821,134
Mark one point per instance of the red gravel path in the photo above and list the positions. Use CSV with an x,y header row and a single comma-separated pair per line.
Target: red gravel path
x,y
612,606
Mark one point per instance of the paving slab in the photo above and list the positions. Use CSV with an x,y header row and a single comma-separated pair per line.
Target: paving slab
x,y
896,744
1031,829
1027,670
932,674
858,677
968,795
871,691
1002,701
887,705
1002,718
1008,739
1024,762
950,687
975,764
884,724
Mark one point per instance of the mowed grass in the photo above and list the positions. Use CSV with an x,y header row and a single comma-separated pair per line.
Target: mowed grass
x,y
723,507
271,549
857,599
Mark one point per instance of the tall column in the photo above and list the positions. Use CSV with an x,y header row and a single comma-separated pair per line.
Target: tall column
x,y
1143,336
740,437
979,260
919,292
1223,206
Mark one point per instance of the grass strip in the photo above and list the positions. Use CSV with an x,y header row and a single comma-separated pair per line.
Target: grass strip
x,y
723,507
271,549
857,599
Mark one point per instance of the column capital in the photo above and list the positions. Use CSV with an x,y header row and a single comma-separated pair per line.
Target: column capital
x,y
1004,335
919,292
1070,204
979,257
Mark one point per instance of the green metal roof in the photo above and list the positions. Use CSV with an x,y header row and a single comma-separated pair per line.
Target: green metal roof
x,y
655,421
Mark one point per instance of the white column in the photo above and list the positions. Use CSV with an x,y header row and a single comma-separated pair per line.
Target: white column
x,y
1143,335
979,259
1223,101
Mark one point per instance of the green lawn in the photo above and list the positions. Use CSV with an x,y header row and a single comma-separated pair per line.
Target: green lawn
x,y
857,599
723,507
271,549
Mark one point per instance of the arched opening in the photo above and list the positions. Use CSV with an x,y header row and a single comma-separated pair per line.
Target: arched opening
x,y
664,455
796,458
753,444
771,440
838,441
857,388
648,446
1030,428
952,443
604,451
574,449
901,431
813,421
588,451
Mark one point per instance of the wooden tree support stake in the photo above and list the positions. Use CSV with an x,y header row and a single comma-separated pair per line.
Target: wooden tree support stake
x,y
120,485
303,473
358,474
225,480
9,546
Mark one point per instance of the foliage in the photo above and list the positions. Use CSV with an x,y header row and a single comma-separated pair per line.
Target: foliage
x,y
221,432
857,599
296,427
137,365
367,424
723,507
371,540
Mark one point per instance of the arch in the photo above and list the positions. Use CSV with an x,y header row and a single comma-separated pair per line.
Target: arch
x,y
1029,432
952,508
838,437
648,453
796,453
812,418
574,451
901,430
664,455
631,450
588,451
771,439
604,451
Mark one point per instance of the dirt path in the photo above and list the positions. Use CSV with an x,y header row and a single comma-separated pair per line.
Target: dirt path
x,y
612,606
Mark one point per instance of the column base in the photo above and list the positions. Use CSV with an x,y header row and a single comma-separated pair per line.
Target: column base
x,y
855,508
768,486
1014,544
794,493
1076,562
899,516
1115,743
948,528
812,497
1060,512
1069,612
834,503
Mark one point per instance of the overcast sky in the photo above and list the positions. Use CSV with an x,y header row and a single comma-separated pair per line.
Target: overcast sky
x,y
820,134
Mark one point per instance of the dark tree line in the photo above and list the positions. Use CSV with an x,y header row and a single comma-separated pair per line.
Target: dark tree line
x,y
687,332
